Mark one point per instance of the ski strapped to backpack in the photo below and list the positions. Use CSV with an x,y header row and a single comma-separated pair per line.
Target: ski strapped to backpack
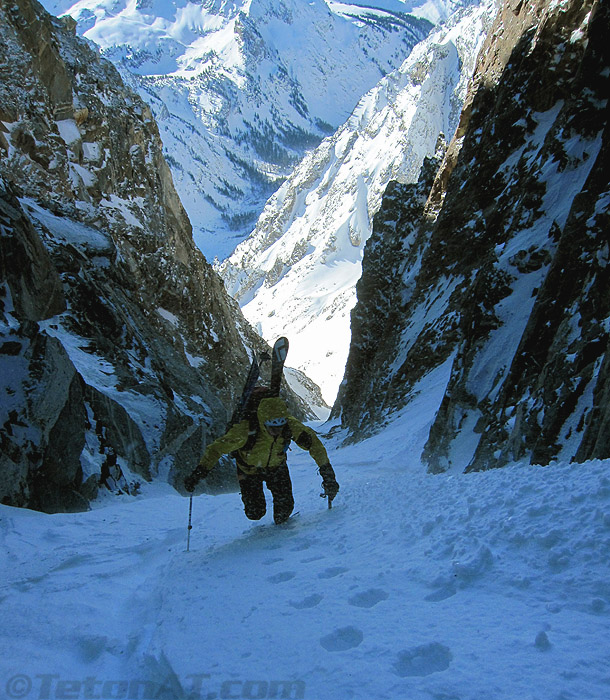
x,y
251,380
252,395
278,357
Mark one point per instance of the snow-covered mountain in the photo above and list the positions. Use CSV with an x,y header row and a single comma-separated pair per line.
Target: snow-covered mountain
x,y
497,285
296,274
242,89
488,282
435,11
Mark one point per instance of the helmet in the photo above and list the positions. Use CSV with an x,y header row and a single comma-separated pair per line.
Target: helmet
x,y
275,422
272,413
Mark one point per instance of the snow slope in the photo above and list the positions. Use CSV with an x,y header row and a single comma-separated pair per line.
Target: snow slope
x,y
296,274
489,585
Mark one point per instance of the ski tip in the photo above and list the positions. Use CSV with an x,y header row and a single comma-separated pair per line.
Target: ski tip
x,y
280,348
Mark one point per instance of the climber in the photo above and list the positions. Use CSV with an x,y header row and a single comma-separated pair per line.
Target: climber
x,y
259,446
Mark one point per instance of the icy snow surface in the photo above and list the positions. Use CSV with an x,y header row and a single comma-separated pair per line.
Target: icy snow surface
x,y
491,585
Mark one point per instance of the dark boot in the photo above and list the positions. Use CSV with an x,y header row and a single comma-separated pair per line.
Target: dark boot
x,y
252,495
280,485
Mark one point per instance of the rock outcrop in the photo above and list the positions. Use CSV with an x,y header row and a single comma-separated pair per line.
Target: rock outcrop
x,y
502,305
120,351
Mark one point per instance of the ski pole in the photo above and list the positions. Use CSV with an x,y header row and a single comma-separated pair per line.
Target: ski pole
x,y
190,527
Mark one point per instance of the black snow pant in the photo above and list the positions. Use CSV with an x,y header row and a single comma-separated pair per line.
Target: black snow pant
x,y
253,497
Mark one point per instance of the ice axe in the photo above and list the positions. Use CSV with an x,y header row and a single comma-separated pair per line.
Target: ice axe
x,y
330,500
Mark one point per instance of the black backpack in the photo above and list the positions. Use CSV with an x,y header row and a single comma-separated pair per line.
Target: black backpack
x,y
251,415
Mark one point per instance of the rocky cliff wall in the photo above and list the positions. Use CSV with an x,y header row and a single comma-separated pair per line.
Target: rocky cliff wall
x,y
502,295
120,350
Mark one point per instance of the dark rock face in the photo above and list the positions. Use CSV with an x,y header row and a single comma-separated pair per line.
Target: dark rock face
x,y
41,392
508,300
379,317
119,347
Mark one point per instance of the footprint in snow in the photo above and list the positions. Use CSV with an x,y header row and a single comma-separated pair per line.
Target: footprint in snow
x,y
91,647
367,599
301,546
309,602
273,545
273,560
342,639
308,560
281,577
72,562
422,660
442,593
332,572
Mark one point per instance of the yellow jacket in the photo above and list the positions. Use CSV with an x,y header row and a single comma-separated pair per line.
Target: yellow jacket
x,y
266,452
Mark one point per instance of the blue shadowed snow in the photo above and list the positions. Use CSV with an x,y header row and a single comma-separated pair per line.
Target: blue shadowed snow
x,y
490,585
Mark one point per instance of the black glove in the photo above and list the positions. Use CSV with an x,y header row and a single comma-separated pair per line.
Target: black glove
x,y
329,482
191,481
